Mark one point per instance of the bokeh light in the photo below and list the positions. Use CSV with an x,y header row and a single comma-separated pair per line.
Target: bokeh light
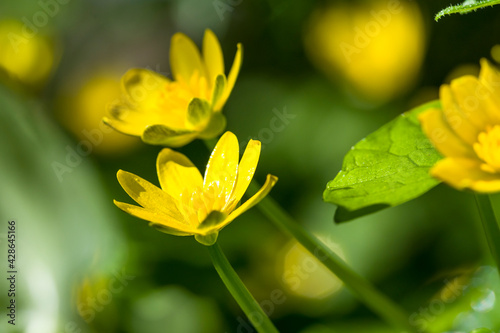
x,y
24,55
378,46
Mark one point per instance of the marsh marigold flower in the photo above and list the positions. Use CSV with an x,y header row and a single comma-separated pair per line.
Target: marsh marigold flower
x,y
466,131
175,112
189,204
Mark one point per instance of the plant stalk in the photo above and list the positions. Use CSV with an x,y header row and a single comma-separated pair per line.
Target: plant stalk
x,y
389,311
490,226
245,300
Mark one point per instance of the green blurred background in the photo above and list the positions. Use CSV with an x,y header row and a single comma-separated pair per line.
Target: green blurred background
x,y
338,69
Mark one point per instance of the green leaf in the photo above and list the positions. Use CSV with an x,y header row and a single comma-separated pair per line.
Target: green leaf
x,y
387,168
466,7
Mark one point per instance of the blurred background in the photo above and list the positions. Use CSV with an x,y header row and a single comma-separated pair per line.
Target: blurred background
x,y
331,72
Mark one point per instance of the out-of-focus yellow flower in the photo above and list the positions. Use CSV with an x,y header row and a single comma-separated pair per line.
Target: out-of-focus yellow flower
x,y
467,131
173,113
25,55
305,276
87,292
188,204
82,113
378,48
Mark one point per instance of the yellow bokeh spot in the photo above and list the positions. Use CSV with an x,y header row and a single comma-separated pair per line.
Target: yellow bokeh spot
x,y
377,48
82,114
26,57
94,292
304,275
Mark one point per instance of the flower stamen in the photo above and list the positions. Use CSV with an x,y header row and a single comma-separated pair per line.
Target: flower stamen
x,y
487,149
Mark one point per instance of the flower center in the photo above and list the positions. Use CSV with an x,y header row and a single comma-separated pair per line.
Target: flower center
x,y
176,96
180,92
196,204
487,149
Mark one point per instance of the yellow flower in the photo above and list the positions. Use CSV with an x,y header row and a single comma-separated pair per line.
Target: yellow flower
x,y
174,113
188,204
467,131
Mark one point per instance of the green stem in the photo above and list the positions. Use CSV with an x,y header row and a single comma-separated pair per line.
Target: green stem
x,y
364,290
490,226
240,293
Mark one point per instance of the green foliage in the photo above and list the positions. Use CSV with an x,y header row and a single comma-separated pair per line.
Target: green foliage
x,y
387,168
55,194
466,7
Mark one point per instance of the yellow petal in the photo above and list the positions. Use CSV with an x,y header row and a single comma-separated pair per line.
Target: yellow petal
x,y
222,168
235,69
490,78
148,195
143,105
177,174
126,119
441,135
246,170
148,93
141,85
464,173
268,185
178,228
472,98
455,117
185,59
233,75
212,55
